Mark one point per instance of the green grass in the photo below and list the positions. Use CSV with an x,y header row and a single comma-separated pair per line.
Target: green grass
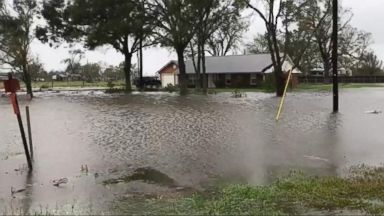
x,y
328,87
361,192
307,87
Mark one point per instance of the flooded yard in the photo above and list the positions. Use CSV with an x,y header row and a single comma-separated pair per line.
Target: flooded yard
x,y
152,144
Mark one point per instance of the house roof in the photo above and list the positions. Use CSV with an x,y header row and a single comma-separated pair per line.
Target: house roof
x,y
256,63
169,63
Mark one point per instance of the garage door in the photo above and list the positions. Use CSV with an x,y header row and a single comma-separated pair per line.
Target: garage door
x,y
168,79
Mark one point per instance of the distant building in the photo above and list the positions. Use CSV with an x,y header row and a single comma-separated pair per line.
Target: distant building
x,y
319,72
237,71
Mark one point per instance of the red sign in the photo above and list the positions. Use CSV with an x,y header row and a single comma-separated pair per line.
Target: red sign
x,y
11,85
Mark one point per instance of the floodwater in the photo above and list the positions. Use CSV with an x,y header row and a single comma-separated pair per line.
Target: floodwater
x,y
195,141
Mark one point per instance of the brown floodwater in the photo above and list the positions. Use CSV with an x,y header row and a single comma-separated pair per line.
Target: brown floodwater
x,y
195,141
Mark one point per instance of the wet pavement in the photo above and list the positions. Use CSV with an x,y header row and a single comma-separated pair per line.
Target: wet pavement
x,y
195,141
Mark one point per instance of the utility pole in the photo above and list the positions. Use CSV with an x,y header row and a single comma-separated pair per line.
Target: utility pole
x,y
335,57
141,64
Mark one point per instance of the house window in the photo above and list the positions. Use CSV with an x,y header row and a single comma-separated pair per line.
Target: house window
x,y
253,80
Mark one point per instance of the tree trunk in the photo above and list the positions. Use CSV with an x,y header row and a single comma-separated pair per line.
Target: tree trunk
x,y
183,82
196,67
327,69
280,82
205,78
198,71
127,72
27,80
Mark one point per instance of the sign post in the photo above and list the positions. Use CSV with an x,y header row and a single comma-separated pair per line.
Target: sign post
x,y
12,86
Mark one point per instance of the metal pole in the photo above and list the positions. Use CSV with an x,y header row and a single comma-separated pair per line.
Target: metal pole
x,y
20,121
29,130
334,57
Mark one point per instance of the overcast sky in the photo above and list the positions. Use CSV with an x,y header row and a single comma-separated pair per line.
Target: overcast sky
x,y
369,16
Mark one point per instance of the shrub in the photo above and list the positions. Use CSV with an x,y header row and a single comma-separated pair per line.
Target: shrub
x,y
110,84
170,88
238,94
114,90
269,84
44,86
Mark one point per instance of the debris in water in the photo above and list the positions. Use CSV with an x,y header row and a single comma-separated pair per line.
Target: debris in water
x,y
58,182
311,157
13,191
374,112
84,168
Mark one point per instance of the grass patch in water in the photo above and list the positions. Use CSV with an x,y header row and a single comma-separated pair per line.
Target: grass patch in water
x,y
147,175
328,87
361,192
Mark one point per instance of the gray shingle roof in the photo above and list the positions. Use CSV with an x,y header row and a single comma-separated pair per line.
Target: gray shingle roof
x,y
234,64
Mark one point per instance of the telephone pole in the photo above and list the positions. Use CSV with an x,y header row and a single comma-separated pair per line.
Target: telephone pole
x,y
335,57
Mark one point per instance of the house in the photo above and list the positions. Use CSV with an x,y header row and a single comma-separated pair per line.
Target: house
x,y
237,71
58,76
168,74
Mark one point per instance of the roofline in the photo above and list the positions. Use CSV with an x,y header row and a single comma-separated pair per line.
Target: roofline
x,y
170,62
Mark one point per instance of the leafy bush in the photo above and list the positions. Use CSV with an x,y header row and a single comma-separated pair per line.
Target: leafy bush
x,y
44,86
238,94
114,90
170,88
110,84
269,84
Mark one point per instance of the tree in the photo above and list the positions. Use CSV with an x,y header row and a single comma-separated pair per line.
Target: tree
x,y
73,62
369,64
211,15
36,70
259,45
113,73
176,26
353,46
271,18
121,24
90,72
16,36
227,36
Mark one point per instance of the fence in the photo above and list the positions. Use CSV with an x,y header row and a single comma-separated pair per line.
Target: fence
x,y
343,79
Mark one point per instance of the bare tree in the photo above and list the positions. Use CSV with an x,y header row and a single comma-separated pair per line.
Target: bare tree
x,y
73,61
272,17
16,36
227,36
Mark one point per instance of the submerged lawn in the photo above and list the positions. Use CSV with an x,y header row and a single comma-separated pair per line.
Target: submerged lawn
x,y
360,193
328,87
312,87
